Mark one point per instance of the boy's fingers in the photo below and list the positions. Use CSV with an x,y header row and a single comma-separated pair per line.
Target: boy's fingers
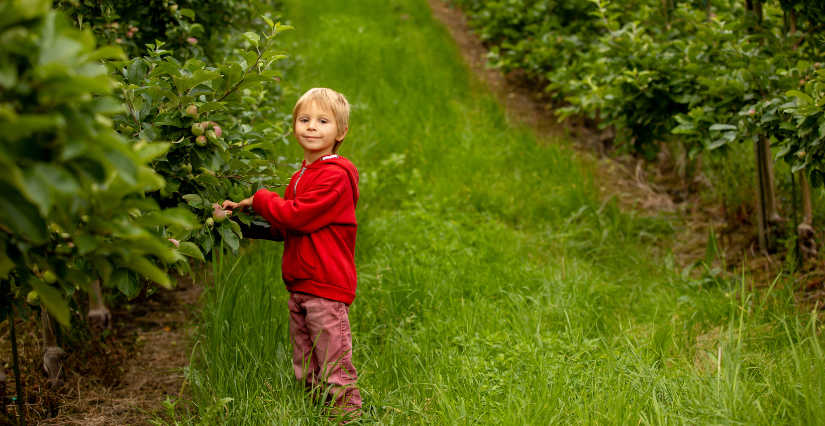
x,y
228,205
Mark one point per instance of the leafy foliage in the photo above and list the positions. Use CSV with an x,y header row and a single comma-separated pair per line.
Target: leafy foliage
x,y
188,103
189,28
72,190
712,76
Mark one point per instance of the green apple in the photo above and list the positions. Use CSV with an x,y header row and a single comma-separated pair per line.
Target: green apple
x,y
49,277
197,129
33,298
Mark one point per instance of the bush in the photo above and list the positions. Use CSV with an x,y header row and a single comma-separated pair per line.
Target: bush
x,y
205,29
72,189
166,100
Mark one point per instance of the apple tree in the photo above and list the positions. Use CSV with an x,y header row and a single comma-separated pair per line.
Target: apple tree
x,y
73,204
220,145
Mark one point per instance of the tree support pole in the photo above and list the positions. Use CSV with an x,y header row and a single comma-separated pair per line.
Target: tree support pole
x,y
21,403
760,198
100,318
772,210
52,354
805,232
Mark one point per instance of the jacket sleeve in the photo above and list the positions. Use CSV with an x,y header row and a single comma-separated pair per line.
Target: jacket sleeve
x,y
307,213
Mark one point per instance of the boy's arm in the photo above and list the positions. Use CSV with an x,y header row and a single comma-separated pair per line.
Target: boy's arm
x,y
311,211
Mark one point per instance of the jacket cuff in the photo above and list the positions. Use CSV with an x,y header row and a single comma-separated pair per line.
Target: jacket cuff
x,y
259,200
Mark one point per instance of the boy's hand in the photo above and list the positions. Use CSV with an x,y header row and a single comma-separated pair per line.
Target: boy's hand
x,y
243,205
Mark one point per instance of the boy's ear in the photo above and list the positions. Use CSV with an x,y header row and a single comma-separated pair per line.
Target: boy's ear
x,y
341,137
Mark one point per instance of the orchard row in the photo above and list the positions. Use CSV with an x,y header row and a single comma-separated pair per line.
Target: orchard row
x,y
118,146
704,75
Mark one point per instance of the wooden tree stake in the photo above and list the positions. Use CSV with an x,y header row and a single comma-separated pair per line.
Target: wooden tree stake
x,y
805,232
21,403
52,354
99,316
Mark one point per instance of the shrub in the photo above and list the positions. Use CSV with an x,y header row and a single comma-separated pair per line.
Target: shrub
x,y
72,190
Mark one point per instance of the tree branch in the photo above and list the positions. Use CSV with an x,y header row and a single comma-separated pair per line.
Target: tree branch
x,y
807,33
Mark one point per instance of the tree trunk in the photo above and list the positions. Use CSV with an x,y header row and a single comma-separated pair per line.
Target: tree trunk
x,y
805,232
792,22
52,354
769,219
707,7
99,316
760,199
772,211
757,9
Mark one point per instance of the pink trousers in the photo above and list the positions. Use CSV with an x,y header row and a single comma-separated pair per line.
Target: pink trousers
x,y
322,347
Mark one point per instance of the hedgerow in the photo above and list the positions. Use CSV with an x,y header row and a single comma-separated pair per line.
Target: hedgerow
x,y
705,74
113,165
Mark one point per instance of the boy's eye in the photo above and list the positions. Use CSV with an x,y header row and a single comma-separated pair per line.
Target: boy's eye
x,y
304,120
323,121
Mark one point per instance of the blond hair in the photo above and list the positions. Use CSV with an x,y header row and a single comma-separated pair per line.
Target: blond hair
x,y
330,100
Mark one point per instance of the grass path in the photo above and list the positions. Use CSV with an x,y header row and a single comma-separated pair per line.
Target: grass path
x,y
494,287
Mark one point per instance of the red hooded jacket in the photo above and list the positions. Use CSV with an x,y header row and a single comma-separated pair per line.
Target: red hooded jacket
x,y
316,217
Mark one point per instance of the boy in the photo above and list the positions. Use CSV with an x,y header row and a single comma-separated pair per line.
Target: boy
x,y
316,219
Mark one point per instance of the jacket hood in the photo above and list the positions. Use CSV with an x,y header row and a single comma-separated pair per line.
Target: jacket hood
x,y
338,161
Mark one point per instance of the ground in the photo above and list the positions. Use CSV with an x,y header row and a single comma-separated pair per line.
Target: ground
x,y
119,381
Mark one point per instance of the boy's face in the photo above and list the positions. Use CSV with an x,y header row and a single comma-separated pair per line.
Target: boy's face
x,y
317,130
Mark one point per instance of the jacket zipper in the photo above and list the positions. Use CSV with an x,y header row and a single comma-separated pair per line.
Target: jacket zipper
x,y
303,169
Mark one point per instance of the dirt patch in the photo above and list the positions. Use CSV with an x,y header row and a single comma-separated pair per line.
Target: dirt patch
x,y
660,189
117,379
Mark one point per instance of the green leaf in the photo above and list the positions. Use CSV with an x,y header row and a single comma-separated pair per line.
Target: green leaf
x,y
104,268
211,106
21,215
52,298
269,22
207,179
797,94
229,237
144,267
136,71
191,250
245,218
236,228
200,76
284,28
165,68
194,200
37,190
252,37
60,179
722,127
125,166
189,13
799,165
272,73
149,151
127,282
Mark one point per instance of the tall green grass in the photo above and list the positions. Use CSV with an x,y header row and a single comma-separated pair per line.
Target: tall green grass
x,y
494,287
